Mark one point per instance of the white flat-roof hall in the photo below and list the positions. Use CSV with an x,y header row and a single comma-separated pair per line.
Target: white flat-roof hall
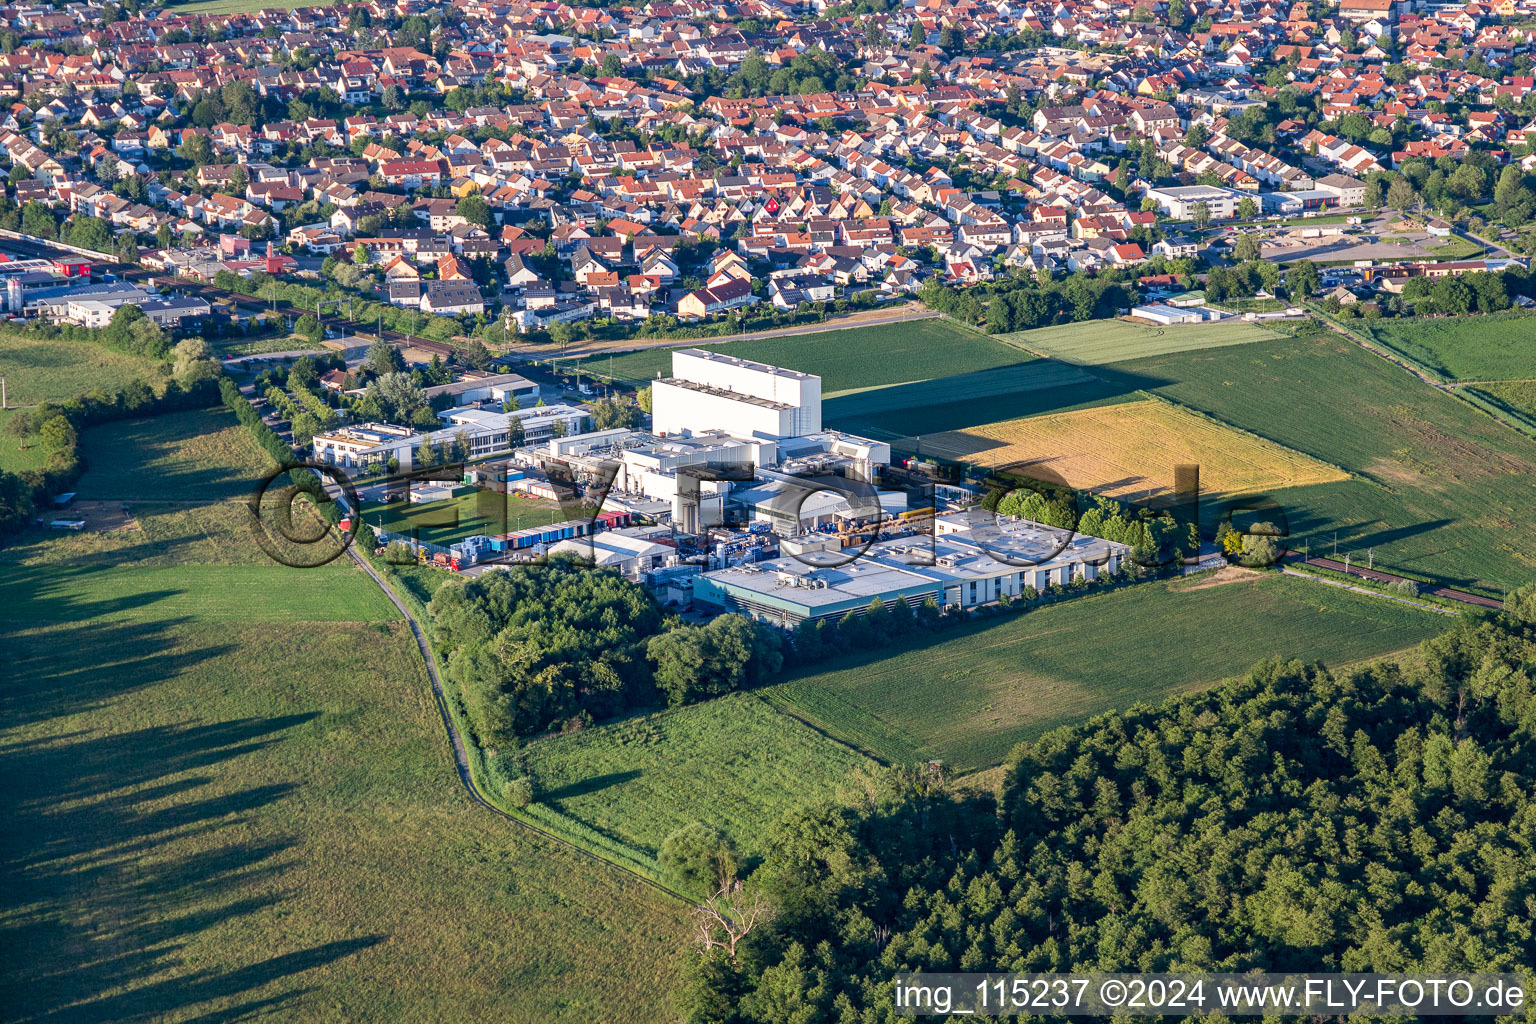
x,y
712,391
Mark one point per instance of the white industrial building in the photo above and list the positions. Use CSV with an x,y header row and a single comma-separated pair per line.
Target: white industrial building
x,y
712,391
1179,201
487,432
968,562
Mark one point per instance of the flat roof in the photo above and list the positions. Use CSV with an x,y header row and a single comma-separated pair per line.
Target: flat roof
x,y
735,396
747,364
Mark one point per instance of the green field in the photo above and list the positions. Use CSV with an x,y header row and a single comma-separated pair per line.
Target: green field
x,y
198,455
191,593
1519,394
1493,346
903,413
38,370
477,512
1442,490
733,763
210,821
13,457
1459,249
1112,341
970,697
220,806
846,360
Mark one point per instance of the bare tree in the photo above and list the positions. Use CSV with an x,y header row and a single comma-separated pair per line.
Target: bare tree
x,y
729,914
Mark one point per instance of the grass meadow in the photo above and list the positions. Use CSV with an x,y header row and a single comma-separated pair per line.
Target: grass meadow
x,y
1098,342
191,593
216,821
970,697
38,370
733,763
846,360
1441,490
197,455
229,795
13,457
1493,346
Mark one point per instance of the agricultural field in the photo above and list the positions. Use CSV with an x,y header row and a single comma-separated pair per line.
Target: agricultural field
x,y
1519,395
1098,342
733,763
970,697
1132,449
1492,346
213,765
906,414
476,512
197,455
38,370
846,360
1441,490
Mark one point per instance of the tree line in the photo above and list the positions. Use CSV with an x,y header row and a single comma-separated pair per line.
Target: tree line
x,y
547,644
57,426
1374,819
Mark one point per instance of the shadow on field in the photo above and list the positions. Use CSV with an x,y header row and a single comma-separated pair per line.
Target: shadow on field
x,y
119,847
52,595
141,460
987,396
123,656
592,785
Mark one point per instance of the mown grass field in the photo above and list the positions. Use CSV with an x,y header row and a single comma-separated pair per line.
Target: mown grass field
x,y
858,357
1111,341
191,593
221,807
38,370
733,763
1443,491
447,522
1132,449
1494,346
197,455
970,697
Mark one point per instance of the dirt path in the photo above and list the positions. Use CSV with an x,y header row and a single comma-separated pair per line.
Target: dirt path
x,y
460,755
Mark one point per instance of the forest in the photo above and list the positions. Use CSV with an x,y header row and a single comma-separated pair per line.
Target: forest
x,y
1377,818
